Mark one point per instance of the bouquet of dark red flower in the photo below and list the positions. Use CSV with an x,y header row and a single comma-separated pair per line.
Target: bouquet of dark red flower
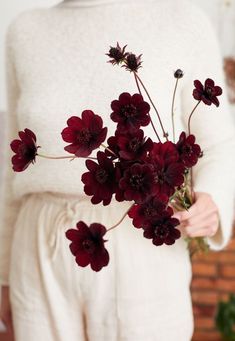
x,y
155,176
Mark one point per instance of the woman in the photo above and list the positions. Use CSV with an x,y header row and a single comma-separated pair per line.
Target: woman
x,y
56,68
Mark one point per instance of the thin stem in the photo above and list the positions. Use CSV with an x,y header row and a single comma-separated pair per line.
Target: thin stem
x,y
190,116
172,109
120,221
151,101
191,185
64,157
154,129
136,80
109,150
56,157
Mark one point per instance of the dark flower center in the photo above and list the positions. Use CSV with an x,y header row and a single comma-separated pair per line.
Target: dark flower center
x,y
209,91
134,144
136,181
27,152
89,246
161,231
160,177
84,136
101,175
187,149
149,211
129,111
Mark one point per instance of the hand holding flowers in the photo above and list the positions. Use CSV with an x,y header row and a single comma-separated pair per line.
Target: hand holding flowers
x,y
198,221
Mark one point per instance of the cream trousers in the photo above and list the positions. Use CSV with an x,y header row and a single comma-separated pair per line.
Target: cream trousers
x,y
143,294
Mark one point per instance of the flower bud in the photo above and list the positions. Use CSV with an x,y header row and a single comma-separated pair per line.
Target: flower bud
x,y
178,74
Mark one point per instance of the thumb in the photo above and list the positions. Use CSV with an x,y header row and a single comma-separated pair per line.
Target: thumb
x,y
177,215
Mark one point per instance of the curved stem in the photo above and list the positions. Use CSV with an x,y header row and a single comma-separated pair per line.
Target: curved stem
x,y
120,221
172,110
136,80
108,149
64,157
154,129
190,116
151,101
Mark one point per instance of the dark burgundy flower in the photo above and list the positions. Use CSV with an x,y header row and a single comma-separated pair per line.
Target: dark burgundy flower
x,y
162,230
138,182
100,182
144,214
133,146
207,93
85,134
130,112
169,172
188,150
117,54
88,245
25,150
178,74
112,149
120,168
132,62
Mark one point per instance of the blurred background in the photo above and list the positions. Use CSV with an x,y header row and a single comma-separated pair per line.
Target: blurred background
x,y
214,274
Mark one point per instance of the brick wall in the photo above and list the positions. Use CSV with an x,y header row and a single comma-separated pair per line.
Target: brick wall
x,y
213,280
5,337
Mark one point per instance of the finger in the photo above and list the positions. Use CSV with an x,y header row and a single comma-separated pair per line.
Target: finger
x,y
204,219
186,214
195,214
203,202
202,231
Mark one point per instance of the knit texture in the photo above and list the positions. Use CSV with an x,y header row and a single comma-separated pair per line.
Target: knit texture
x,y
56,68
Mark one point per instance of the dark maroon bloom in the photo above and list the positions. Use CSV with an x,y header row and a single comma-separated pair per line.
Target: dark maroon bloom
x,y
207,93
133,146
188,150
120,168
144,214
138,182
117,54
130,112
85,134
178,74
100,181
112,149
25,150
132,62
88,245
162,230
169,172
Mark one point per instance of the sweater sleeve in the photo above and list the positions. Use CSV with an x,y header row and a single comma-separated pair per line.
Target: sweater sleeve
x,y
214,131
9,205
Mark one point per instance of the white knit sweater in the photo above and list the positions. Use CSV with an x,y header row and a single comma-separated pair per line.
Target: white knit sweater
x,y
56,67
